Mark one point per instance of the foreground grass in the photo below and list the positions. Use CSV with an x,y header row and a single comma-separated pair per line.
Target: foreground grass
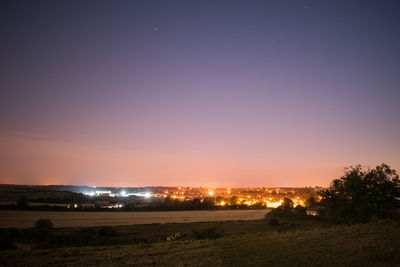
x,y
375,244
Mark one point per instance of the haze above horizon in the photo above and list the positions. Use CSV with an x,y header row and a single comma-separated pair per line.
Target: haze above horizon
x,y
194,93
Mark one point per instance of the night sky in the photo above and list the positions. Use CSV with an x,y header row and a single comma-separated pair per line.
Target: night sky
x,y
197,93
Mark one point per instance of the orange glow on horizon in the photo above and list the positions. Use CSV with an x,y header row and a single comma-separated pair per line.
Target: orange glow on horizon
x,y
38,161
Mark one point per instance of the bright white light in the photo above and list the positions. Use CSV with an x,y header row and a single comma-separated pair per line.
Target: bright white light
x,y
141,194
101,192
89,193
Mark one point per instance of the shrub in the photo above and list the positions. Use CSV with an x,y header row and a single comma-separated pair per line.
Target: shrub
x,y
311,202
300,210
279,212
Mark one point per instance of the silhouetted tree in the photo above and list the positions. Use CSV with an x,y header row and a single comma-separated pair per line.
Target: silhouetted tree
x,y
287,203
360,195
234,200
311,202
196,203
300,210
209,202
219,199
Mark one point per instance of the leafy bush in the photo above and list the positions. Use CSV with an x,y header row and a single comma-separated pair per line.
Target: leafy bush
x,y
300,210
311,202
280,212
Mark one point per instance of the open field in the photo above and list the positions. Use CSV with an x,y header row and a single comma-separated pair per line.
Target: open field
x,y
374,244
155,232
24,219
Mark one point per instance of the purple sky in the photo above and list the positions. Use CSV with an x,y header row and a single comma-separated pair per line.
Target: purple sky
x,y
197,93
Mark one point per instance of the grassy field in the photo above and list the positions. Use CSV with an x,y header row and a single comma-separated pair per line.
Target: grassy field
x,y
150,233
24,219
374,244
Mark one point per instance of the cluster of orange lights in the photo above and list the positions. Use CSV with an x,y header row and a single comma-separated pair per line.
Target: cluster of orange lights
x,y
246,200
266,202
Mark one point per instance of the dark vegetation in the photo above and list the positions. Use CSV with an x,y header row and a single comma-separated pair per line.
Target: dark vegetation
x,y
44,236
286,210
372,244
357,197
360,196
22,194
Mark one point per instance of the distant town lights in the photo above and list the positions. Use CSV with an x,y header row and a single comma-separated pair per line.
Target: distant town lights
x,y
237,196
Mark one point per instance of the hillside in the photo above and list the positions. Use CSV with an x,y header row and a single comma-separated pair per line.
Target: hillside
x,y
374,244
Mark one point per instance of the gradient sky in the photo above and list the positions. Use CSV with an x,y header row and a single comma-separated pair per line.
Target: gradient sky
x,y
197,93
